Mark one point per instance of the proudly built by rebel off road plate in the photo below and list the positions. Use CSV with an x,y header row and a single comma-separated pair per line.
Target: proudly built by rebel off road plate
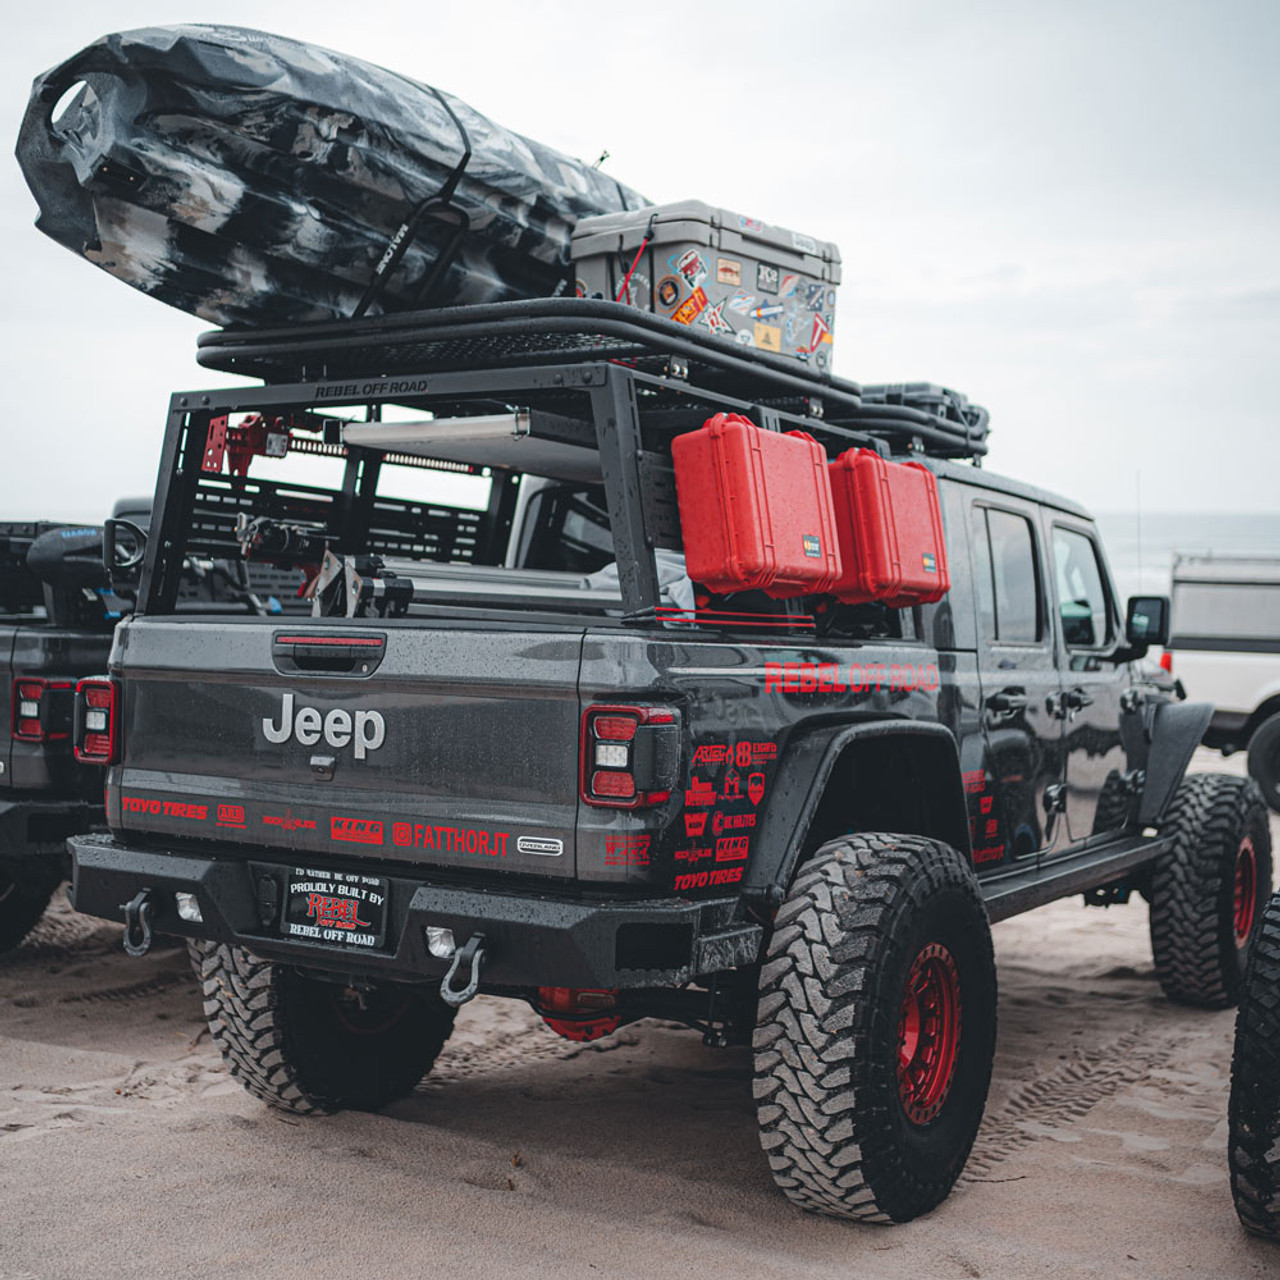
x,y
336,908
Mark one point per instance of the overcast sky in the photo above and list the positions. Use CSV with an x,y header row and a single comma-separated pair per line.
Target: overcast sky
x,y
1070,211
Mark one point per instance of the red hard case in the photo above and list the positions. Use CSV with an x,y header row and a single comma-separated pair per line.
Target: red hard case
x,y
889,524
755,508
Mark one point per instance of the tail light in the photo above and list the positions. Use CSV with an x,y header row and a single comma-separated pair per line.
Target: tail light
x,y
1166,661
577,1013
630,755
97,731
41,710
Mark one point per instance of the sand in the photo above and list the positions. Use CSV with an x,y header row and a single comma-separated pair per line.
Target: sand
x,y
126,1149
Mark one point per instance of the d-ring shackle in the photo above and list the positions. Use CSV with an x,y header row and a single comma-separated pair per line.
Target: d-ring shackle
x,y
470,954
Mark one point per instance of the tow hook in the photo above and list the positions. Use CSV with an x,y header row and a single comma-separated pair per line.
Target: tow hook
x,y
469,955
137,923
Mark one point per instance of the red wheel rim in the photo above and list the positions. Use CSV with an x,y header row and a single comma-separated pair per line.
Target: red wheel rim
x,y
928,1033
1246,904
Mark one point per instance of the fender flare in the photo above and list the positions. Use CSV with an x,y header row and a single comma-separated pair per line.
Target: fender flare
x,y
1176,731
802,780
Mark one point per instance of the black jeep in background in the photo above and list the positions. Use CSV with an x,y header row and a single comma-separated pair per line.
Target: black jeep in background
x,y
52,633
512,749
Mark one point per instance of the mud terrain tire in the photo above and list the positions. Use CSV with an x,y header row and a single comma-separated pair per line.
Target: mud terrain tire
x,y
1254,1112
25,890
1207,892
306,1045
875,1028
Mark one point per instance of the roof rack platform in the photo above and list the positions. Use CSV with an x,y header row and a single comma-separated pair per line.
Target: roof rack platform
x,y
572,331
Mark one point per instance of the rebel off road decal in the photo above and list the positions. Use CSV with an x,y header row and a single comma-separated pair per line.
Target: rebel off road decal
x,y
336,907
856,677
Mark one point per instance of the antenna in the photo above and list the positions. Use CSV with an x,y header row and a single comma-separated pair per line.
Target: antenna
x,y
1142,582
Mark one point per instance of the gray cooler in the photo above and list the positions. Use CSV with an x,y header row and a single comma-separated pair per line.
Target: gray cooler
x,y
736,277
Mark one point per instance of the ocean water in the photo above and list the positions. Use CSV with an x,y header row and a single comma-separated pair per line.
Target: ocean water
x,y
1141,548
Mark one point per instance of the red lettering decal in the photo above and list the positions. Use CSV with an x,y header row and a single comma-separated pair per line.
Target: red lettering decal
x,y
627,851
355,830
700,794
772,677
731,848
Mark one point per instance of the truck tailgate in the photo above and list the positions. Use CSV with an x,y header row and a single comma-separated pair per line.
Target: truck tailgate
x,y
452,747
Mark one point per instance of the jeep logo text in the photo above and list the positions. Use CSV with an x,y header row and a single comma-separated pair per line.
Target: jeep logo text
x,y
366,729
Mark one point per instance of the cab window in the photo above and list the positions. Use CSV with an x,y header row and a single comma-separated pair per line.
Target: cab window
x,y
1082,592
1008,582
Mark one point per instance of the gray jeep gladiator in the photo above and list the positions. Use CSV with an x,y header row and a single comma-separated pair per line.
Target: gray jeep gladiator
x,y
510,748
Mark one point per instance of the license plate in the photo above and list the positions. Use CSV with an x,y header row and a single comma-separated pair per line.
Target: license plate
x,y
336,908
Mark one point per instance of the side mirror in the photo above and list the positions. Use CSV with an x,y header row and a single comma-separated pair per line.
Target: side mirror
x,y
1146,621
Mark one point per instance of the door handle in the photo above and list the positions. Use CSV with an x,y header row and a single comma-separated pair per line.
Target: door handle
x,y
1074,699
1007,701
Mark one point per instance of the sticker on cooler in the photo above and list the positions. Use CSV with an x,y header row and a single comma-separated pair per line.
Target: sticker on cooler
x,y
692,307
713,319
728,271
691,265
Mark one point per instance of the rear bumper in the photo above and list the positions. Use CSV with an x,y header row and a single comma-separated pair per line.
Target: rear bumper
x,y
34,828
531,940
